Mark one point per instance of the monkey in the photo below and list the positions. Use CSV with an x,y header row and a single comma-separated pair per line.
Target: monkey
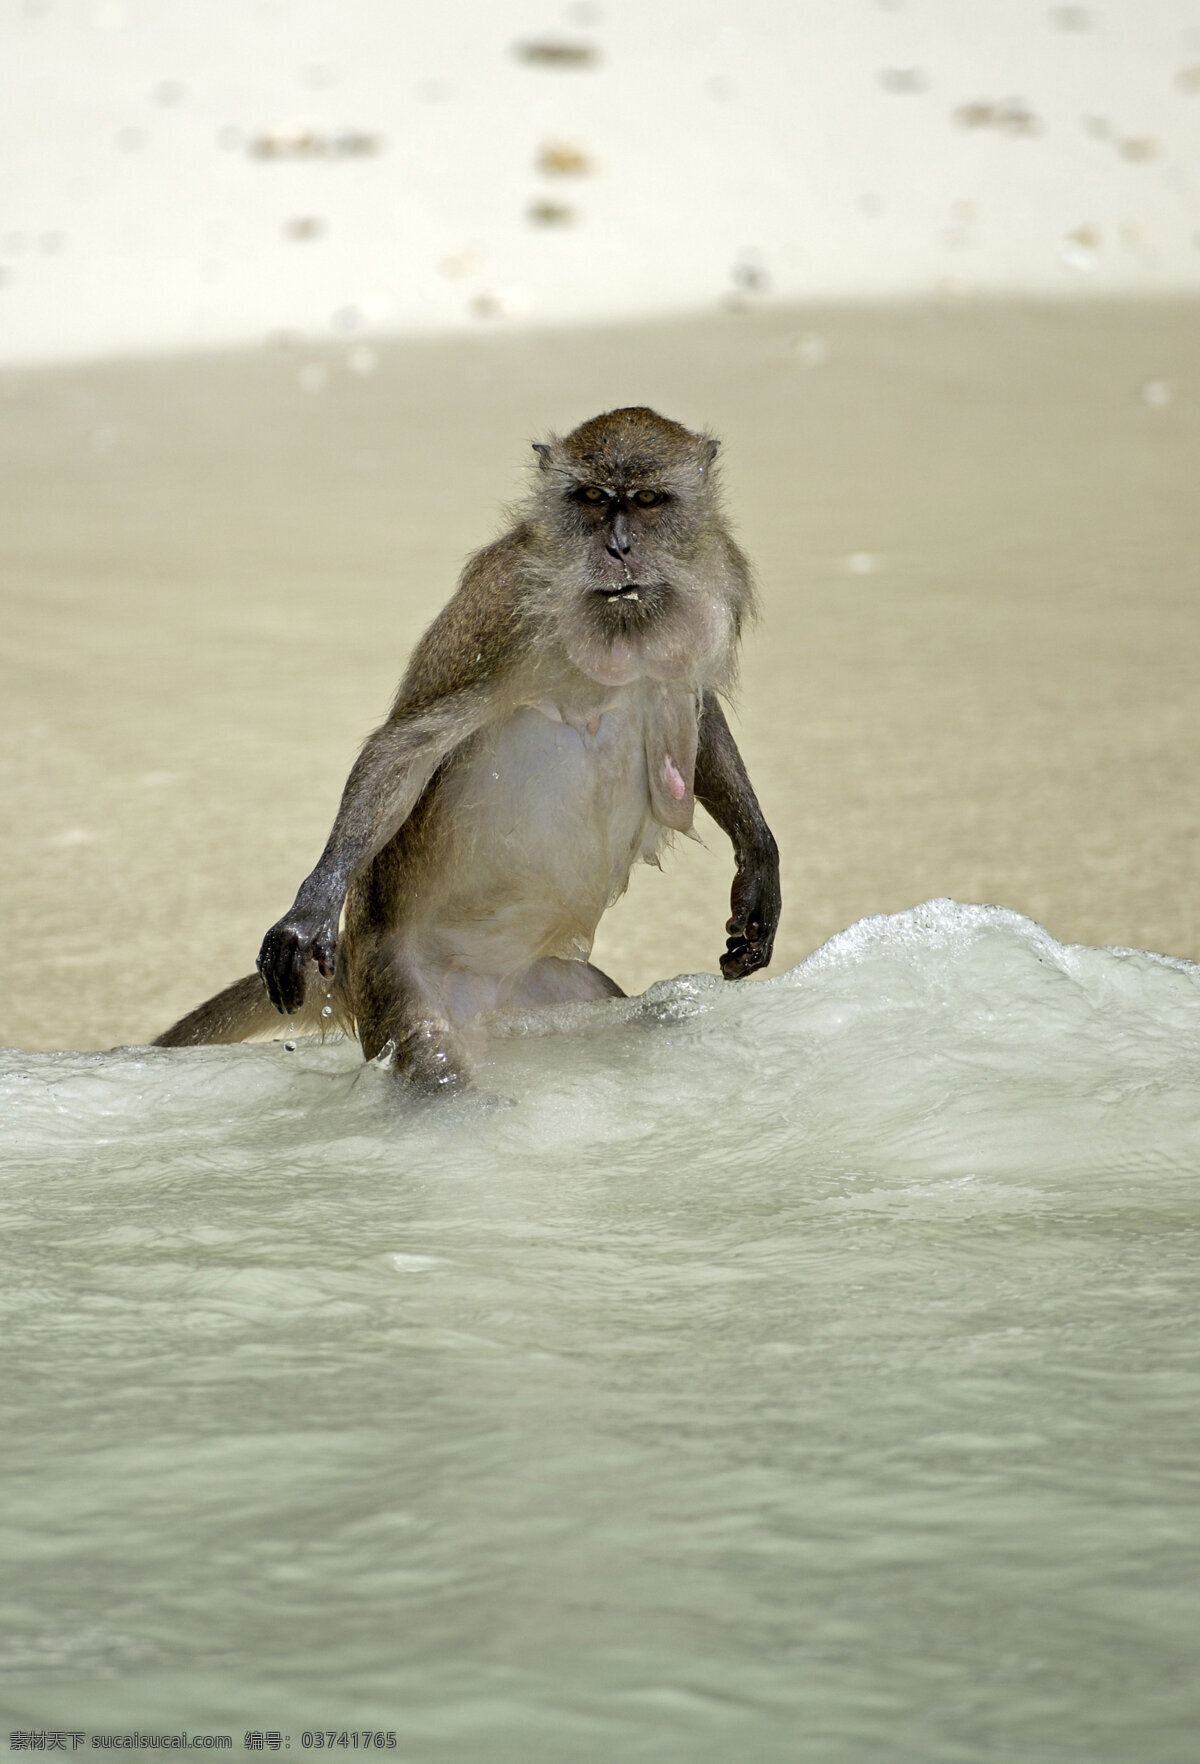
x,y
556,723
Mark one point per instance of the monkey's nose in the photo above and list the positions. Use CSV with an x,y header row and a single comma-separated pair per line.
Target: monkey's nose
x,y
619,541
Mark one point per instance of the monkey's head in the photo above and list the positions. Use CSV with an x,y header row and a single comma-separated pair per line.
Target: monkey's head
x,y
633,552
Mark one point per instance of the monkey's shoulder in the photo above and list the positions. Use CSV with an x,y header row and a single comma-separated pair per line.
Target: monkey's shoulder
x,y
499,565
483,626
737,582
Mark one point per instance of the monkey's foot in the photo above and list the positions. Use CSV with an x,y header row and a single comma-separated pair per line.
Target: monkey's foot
x,y
427,1058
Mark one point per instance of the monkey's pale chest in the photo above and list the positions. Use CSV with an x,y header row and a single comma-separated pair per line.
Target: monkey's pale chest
x,y
649,732
550,791
544,816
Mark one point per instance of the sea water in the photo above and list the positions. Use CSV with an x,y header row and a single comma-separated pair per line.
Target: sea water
x,y
796,1370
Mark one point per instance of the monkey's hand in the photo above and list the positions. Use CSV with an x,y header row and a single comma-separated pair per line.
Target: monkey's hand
x,y
288,947
755,900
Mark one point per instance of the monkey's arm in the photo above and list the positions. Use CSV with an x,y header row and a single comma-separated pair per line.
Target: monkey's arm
x,y
450,689
727,793
387,779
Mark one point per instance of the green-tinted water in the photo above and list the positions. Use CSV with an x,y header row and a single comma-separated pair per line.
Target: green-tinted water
x,y
797,1371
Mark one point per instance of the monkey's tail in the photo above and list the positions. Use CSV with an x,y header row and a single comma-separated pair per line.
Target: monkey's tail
x,y
243,1012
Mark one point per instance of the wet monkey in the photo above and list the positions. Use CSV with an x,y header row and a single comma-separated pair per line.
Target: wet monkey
x,y
556,723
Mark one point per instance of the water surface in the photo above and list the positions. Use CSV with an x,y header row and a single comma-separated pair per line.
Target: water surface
x,y
798,1370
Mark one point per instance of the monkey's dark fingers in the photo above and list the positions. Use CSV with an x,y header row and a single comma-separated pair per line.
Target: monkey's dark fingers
x,y
744,955
324,951
273,965
751,926
282,961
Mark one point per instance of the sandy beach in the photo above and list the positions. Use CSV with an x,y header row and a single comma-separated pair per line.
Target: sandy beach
x,y
975,676
201,175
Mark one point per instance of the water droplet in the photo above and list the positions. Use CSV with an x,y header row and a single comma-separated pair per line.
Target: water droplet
x,y
327,1010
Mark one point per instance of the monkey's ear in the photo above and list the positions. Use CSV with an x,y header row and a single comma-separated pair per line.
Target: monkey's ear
x,y
711,449
543,452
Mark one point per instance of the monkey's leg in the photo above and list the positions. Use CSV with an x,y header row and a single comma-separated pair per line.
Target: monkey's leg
x,y
243,1012
555,981
394,1010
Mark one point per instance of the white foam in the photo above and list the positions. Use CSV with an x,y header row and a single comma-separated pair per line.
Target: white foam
x,y
949,1041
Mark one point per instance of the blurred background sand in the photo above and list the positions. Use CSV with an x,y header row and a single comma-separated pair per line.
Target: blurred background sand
x,y
194,172
970,496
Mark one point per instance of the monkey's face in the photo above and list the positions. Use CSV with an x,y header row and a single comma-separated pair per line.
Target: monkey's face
x,y
629,546
622,500
636,608
621,528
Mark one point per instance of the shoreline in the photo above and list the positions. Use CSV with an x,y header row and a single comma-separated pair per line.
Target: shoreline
x,y
974,676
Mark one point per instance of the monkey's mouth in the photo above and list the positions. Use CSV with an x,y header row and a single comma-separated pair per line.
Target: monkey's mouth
x,y
631,605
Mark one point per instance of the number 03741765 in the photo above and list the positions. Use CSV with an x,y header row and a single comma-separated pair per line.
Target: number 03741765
x,y
322,1739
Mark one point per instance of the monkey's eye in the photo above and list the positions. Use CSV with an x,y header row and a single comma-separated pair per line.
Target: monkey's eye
x,y
592,493
648,498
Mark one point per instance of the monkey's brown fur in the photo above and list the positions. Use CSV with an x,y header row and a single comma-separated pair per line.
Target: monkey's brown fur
x,y
556,723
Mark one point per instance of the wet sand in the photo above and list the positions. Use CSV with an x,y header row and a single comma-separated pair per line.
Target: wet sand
x,y
976,674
